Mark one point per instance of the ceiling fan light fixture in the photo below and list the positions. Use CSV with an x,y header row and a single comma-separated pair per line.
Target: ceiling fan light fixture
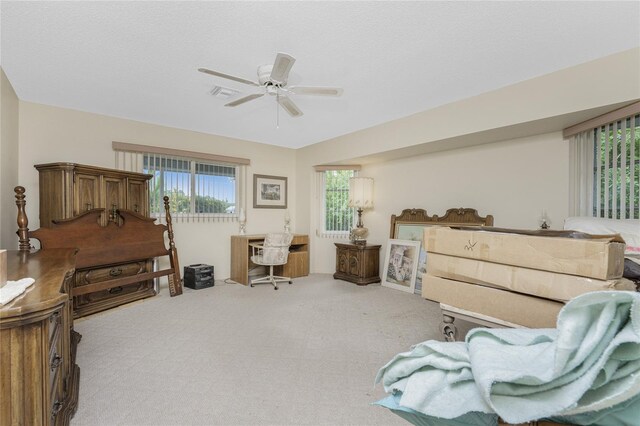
x,y
272,80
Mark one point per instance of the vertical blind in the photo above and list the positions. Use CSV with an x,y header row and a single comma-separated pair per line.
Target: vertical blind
x,y
605,170
198,190
617,168
336,218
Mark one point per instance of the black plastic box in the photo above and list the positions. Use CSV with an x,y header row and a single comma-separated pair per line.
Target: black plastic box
x,y
198,276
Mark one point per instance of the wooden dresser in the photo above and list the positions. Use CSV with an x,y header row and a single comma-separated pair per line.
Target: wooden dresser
x,y
38,373
68,190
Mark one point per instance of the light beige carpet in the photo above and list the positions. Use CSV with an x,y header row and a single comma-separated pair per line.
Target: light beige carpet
x,y
306,354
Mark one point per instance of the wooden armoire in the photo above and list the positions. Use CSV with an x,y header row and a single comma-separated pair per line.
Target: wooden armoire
x,y
68,189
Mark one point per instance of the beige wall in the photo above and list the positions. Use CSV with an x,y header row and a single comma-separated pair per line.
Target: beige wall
x,y
50,134
9,120
513,179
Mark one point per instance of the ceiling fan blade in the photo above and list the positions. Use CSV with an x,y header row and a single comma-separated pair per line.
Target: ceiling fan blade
x,y
227,76
288,105
322,91
244,99
281,68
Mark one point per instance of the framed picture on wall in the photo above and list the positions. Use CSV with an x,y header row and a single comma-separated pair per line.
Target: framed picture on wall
x,y
269,192
401,265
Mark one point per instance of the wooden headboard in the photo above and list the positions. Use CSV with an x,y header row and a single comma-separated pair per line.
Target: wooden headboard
x,y
131,238
453,217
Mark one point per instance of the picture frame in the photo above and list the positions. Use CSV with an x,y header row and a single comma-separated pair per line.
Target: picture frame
x,y
269,192
401,264
415,232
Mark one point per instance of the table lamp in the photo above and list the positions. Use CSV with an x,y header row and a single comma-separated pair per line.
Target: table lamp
x,y
360,197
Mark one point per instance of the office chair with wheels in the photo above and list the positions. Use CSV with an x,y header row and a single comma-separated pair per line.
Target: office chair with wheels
x,y
274,251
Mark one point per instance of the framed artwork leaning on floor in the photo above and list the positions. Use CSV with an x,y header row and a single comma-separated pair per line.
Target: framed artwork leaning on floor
x,y
401,264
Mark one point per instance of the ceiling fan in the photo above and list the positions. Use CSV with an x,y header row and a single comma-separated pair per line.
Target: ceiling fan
x,y
272,78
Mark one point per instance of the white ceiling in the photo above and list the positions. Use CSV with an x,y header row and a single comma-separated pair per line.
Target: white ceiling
x,y
138,60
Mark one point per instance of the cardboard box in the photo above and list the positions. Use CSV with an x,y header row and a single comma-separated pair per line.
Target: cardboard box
x,y
521,309
600,258
549,285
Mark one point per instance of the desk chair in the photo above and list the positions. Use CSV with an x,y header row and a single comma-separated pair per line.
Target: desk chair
x,y
274,251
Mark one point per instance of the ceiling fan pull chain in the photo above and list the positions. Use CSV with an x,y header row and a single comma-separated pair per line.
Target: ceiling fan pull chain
x,y
277,107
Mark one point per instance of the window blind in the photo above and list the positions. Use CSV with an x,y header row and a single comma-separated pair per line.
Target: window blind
x,y
335,217
605,168
199,188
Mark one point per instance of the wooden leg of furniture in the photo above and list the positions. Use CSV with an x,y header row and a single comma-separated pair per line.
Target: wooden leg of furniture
x,y
450,313
73,386
448,328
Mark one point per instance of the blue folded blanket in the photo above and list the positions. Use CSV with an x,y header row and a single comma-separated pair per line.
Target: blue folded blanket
x,y
587,368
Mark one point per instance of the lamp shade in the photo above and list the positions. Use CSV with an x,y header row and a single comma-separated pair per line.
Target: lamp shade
x,y
361,192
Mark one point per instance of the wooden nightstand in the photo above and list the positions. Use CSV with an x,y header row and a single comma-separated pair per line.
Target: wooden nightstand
x,y
358,263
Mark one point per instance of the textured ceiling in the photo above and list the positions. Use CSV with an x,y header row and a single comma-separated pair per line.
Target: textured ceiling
x,y
138,60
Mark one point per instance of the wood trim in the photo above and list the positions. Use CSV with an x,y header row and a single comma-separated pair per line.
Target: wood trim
x,y
104,285
459,216
132,147
592,123
83,168
337,167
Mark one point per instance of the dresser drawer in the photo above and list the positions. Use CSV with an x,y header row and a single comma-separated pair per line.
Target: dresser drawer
x,y
89,303
111,293
90,276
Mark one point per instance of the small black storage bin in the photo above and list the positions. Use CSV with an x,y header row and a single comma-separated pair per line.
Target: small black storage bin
x,y
198,276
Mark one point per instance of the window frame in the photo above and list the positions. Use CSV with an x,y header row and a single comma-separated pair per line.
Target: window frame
x,y
608,191
600,174
322,198
193,166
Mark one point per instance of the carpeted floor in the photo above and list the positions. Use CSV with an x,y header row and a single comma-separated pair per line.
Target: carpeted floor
x,y
306,354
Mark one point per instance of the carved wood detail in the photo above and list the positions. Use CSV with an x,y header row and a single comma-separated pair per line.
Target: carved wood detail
x,y
455,216
137,238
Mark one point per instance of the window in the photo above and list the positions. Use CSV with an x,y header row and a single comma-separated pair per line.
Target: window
x,y
616,170
336,217
200,186
193,187
605,165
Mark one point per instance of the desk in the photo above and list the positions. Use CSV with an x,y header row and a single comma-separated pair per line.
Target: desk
x,y
296,266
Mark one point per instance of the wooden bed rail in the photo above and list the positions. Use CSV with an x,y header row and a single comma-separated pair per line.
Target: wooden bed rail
x,y
131,238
